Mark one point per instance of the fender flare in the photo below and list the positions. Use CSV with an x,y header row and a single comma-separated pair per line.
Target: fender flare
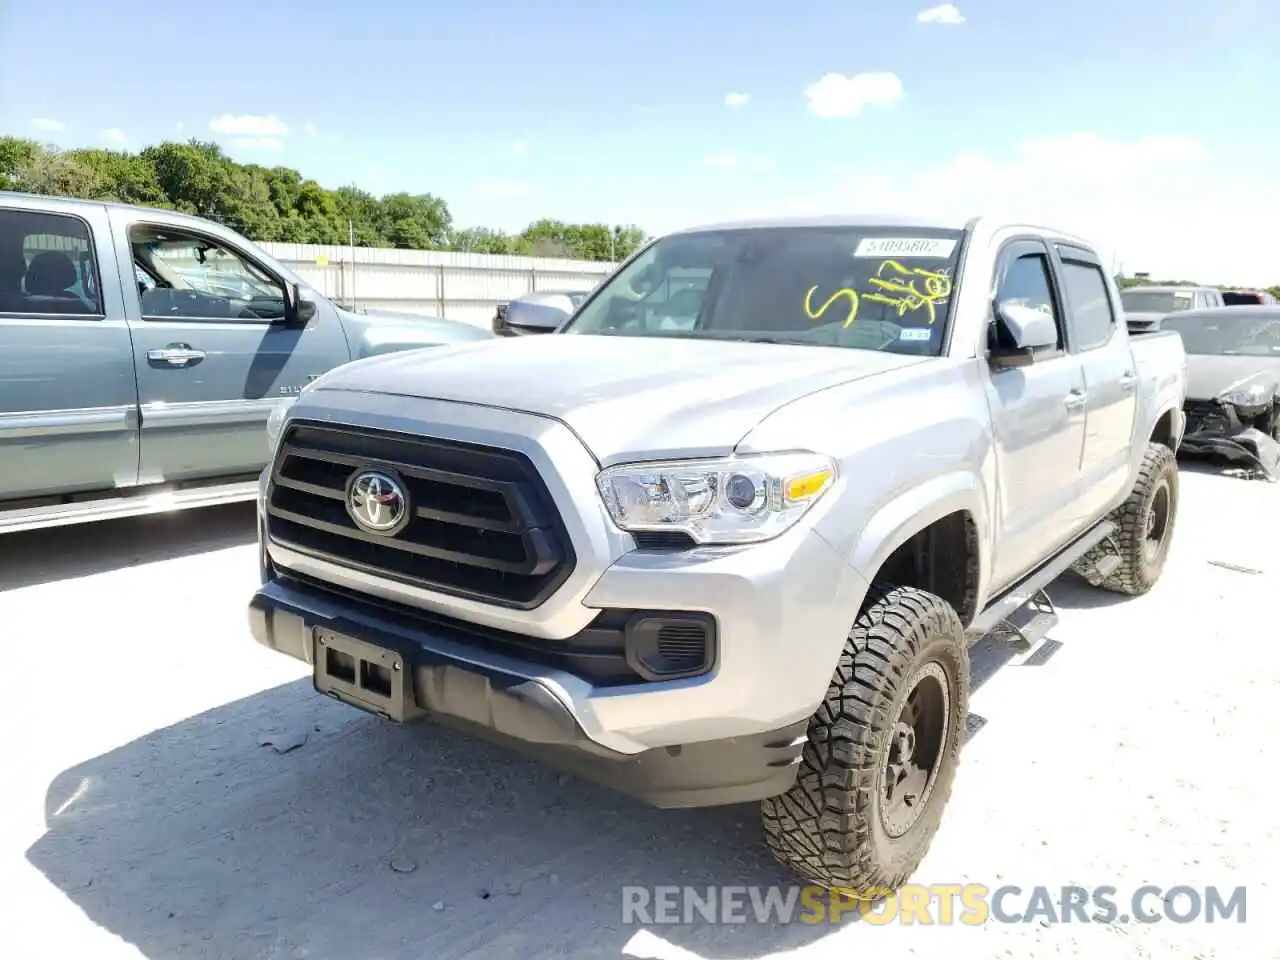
x,y
1179,424
915,509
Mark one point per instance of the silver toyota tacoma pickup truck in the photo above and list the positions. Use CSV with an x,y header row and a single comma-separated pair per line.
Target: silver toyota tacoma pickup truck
x,y
734,550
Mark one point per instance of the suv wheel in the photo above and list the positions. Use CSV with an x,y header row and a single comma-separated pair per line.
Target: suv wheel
x,y
882,749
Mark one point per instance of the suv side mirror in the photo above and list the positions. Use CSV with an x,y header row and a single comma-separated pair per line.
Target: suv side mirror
x,y
1021,332
298,310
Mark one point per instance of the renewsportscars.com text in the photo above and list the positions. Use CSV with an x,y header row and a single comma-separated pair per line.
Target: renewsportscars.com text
x,y
970,904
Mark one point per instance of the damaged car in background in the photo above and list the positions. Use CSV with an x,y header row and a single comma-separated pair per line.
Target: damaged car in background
x,y
1233,383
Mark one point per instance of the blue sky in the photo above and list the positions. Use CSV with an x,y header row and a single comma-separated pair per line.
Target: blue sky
x,y
1148,125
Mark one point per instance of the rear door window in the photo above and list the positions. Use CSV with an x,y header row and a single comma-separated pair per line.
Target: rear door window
x,y
47,265
1089,312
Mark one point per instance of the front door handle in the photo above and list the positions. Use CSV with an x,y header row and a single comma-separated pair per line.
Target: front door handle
x,y
176,355
1075,401
1128,381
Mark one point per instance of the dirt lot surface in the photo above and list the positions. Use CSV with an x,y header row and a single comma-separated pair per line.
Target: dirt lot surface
x,y
172,791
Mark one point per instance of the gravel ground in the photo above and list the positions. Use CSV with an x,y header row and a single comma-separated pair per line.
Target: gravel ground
x,y
176,792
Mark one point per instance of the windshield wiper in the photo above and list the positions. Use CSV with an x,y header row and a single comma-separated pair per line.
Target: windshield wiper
x,y
743,338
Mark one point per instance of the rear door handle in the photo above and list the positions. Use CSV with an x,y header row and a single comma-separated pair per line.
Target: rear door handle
x,y
1075,401
176,355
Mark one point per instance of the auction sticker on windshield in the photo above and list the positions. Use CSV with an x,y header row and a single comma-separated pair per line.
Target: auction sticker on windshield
x,y
940,247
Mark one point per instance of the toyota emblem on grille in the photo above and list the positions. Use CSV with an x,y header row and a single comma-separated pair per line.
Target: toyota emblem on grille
x,y
377,502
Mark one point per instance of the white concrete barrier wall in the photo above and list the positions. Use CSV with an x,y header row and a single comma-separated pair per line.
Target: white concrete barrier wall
x,y
461,286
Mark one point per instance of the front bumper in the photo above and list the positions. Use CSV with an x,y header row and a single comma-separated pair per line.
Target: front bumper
x,y
502,699
1214,428
782,608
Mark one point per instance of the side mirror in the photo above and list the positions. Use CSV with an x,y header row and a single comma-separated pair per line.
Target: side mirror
x,y
1020,333
540,316
298,311
305,312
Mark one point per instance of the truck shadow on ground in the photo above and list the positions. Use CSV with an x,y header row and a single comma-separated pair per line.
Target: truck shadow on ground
x,y
285,826
81,550
368,840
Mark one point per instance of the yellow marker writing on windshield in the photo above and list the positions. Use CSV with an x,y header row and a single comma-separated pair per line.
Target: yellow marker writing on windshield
x,y
909,288
844,292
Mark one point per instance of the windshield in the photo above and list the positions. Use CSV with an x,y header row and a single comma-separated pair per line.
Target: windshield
x,y
1248,335
1157,301
869,288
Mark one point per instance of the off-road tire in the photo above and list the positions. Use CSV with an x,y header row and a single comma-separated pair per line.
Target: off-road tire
x,y
1139,570
828,828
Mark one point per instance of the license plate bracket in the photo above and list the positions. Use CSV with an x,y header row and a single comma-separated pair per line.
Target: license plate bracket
x,y
364,675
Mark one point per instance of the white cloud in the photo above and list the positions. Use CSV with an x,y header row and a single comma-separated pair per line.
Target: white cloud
x,y
836,95
310,129
520,146
258,143
1157,203
721,160
737,99
503,188
943,13
249,125
46,123
114,135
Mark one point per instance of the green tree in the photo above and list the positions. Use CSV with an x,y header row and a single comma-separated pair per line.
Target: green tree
x,y
415,221
119,176
279,203
483,240
16,159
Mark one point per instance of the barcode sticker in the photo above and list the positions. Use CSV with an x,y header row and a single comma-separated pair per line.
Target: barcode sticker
x,y
936,247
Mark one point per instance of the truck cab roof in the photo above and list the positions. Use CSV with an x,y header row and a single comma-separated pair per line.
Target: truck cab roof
x,y
971,224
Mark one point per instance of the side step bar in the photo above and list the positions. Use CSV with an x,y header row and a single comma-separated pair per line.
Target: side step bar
x,y
126,505
1031,588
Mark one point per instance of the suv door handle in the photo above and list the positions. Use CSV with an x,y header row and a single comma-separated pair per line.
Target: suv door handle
x,y
1075,400
1128,381
176,355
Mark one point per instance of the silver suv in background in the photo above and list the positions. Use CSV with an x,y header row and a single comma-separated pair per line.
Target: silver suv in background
x,y
1145,306
728,538
142,353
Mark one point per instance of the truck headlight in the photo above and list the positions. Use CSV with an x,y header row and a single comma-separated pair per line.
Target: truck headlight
x,y
1252,395
275,422
744,499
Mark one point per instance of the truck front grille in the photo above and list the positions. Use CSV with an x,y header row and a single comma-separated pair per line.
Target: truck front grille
x,y
483,524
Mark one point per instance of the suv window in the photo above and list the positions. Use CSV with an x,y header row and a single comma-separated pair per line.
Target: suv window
x,y
1089,309
1026,283
47,265
1157,301
186,276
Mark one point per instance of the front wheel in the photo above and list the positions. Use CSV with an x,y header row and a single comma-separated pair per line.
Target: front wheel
x,y
882,749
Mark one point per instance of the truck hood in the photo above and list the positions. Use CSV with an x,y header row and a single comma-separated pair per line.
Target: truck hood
x,y
627,398
1210,376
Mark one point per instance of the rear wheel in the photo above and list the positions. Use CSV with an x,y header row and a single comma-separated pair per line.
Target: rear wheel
x,y
882,749
1145,525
